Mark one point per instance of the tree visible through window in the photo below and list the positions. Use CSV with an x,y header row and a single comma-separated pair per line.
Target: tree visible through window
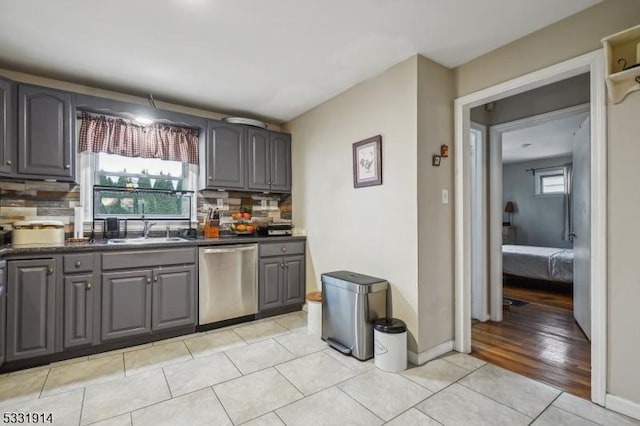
x,y
140,173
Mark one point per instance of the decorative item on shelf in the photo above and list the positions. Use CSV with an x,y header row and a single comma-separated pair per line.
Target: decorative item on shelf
x,y
509,208
435,160
622,62
367,162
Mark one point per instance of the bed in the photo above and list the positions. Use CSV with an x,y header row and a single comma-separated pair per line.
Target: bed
x,y
539,263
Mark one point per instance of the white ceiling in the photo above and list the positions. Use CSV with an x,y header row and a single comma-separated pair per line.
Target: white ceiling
x,y
546,140
271,59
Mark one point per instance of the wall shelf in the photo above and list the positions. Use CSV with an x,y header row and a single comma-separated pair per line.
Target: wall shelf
x,y
622,52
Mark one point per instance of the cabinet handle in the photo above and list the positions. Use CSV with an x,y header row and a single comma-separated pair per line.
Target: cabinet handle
x,y
284,249
286,265
77,264
8,162
88,285
155,278
148,280
282,265
68,166
49,271
210,178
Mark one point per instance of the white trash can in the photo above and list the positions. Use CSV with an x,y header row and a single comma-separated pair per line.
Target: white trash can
x,y
314,313
390,344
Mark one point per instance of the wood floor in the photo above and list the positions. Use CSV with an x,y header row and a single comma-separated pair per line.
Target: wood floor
x,y
540,340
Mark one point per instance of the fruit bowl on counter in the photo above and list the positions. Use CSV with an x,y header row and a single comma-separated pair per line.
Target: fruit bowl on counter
x,y
242,224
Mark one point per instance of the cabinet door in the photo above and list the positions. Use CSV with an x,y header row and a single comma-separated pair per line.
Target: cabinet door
x,y
294,288
259,161
3,315
280,162
126,304
7,127
45,135
31,308
225,155
78,310
174,297
270,283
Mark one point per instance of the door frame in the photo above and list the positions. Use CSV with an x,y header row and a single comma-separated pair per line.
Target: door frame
x,y
495,196
593,63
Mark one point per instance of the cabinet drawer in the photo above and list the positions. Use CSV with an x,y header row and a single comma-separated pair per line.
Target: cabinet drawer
x,y
78,263
281,248
147,258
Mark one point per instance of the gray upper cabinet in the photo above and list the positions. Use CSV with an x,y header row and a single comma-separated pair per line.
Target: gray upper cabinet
x,y
225,156
280,162
7,127
30,308
269,160
126,304
174,297
259,164
78,310
46,136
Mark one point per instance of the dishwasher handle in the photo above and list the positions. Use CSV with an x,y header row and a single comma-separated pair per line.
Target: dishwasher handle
x,y
230,250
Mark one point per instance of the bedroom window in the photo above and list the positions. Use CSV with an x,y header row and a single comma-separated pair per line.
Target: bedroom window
x,y
551,182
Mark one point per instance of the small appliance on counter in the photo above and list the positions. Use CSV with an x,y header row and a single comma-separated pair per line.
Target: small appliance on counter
x,y
37,233
280,228
111,228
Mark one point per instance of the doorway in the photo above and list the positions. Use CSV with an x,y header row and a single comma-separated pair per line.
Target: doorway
x,y
591,63
540,190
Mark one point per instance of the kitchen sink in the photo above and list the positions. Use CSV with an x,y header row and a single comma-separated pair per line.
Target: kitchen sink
x,y
151,240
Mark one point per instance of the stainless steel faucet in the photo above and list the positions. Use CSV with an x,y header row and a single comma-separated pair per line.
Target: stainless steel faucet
x,y
147,227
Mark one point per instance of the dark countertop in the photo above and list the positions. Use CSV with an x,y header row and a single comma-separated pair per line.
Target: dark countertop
x,y
102,245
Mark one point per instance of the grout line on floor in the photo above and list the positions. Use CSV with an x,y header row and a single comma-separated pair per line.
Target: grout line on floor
x,y
215,395
44,383
359,403
84,392
167,382
545,408
495,400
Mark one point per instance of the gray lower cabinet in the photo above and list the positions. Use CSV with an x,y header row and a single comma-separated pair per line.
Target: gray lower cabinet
x,y
31,308
126,304
78,310
3,312
174,297
281,278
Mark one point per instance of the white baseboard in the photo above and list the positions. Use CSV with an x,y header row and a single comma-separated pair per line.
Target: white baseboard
x,y
622,406
430,354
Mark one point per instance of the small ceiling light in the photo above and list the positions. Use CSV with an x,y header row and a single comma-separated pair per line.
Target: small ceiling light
x,y
144,121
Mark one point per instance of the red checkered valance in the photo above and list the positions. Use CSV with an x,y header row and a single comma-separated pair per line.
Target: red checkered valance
x,y
117,136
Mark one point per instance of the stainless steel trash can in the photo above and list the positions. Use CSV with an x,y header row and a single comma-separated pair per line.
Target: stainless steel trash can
x,y
351,302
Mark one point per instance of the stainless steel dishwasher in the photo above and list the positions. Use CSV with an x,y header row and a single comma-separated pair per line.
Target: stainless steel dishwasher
x,y
228,282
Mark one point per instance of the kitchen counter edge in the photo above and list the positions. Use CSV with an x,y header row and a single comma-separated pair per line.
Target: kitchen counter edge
x,y
102,245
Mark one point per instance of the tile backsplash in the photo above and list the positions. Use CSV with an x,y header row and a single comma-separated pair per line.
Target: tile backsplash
x,y
31,200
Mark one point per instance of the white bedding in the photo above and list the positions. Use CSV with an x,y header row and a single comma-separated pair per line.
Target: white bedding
x,y
541,263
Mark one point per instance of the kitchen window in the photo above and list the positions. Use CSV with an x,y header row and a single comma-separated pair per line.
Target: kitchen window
x,y
120,154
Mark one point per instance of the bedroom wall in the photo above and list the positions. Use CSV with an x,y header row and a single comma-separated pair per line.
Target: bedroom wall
x,y
538,219
566,39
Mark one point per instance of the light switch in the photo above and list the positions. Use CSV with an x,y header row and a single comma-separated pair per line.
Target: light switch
x,y
445,196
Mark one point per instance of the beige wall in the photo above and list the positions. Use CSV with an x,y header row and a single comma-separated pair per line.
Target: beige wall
x,y
369,230
571,37
435,220
566,39
92,91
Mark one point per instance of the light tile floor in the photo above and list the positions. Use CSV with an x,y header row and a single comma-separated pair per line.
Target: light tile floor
x,y
271,372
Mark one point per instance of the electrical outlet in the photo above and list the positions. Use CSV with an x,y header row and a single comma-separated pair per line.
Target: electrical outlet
x,y
445,196
263,204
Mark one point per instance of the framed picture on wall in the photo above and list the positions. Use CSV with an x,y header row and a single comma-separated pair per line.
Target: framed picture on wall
x,y
367,162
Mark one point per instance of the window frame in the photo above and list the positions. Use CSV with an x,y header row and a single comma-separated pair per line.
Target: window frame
x,y
551,172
